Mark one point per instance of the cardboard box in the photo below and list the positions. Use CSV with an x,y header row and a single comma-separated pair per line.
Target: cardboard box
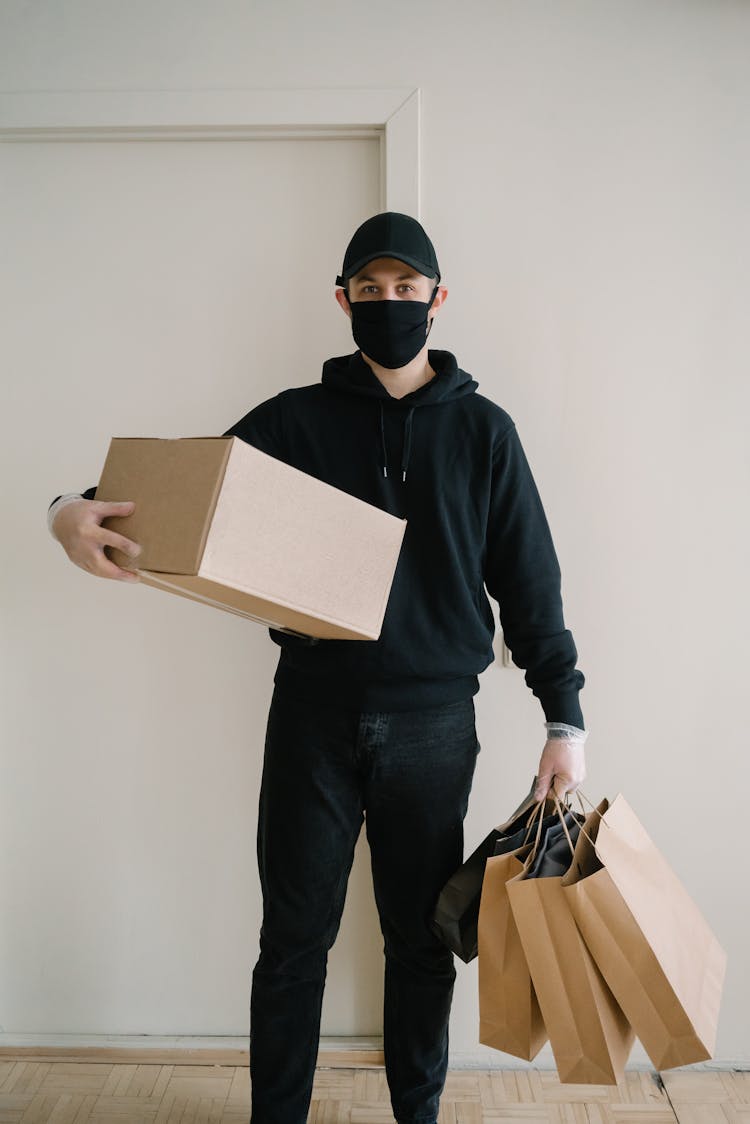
x,y
221,522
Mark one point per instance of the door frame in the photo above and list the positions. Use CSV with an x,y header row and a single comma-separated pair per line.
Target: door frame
x,y
393,114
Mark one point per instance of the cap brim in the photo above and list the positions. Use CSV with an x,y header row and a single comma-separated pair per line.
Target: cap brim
x,y
420,266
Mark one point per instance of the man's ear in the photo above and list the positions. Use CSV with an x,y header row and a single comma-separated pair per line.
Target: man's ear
x,y
440,297
343,300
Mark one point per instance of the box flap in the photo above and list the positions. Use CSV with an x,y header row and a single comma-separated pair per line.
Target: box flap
x,y
174,483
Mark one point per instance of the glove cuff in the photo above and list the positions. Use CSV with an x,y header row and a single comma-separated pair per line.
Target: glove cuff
x,y
564,730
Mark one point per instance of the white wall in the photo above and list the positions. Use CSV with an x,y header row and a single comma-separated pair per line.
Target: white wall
x,y
586,169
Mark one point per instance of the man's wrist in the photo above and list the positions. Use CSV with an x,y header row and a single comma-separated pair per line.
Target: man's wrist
x,y
59,503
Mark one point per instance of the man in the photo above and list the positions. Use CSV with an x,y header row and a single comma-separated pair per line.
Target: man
x,y
383,732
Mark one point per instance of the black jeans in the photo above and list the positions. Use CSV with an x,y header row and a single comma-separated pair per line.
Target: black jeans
x,y
326,769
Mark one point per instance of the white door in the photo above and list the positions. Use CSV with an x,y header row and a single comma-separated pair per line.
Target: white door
x,y
151,289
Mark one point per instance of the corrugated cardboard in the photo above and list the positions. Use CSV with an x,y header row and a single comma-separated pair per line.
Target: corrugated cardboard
x,y
221,522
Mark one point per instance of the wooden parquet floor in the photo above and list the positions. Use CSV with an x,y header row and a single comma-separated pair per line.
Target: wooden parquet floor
x,y
63,1092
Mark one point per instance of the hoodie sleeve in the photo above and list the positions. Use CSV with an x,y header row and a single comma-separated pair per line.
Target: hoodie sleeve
x,y
522,573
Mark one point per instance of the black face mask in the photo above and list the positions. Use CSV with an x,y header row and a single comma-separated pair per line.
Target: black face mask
x,y
391,332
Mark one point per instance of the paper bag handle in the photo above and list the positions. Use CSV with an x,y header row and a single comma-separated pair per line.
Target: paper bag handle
x,y
581,828
538,809
562,821
580,794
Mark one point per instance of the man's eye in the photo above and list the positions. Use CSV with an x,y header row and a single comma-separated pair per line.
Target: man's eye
x,y
404,286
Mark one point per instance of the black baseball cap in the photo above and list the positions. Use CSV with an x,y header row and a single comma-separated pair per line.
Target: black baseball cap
x,y
389,235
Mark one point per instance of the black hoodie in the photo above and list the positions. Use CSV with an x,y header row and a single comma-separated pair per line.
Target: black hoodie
x,y
450,462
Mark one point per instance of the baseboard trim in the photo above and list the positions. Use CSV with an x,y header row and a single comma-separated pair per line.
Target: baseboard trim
x,y
355,1052
138,1049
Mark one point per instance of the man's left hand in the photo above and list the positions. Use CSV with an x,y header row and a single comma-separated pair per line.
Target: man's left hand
x,y
562,767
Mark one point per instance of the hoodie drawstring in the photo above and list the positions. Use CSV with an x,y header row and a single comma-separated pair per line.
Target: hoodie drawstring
x,y
407,442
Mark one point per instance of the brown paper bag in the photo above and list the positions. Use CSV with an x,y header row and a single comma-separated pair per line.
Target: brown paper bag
x,y
509,1014
652,944
588,1032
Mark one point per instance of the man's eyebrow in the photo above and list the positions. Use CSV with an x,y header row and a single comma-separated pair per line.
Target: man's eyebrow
x,y
401,277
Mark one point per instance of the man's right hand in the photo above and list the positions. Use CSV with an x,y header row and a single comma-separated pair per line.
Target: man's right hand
x,y
77,527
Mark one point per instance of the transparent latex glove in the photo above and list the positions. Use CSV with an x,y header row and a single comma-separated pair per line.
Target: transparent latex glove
x,y
562,766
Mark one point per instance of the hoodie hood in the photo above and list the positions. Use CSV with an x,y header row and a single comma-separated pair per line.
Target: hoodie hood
x,y
350,374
